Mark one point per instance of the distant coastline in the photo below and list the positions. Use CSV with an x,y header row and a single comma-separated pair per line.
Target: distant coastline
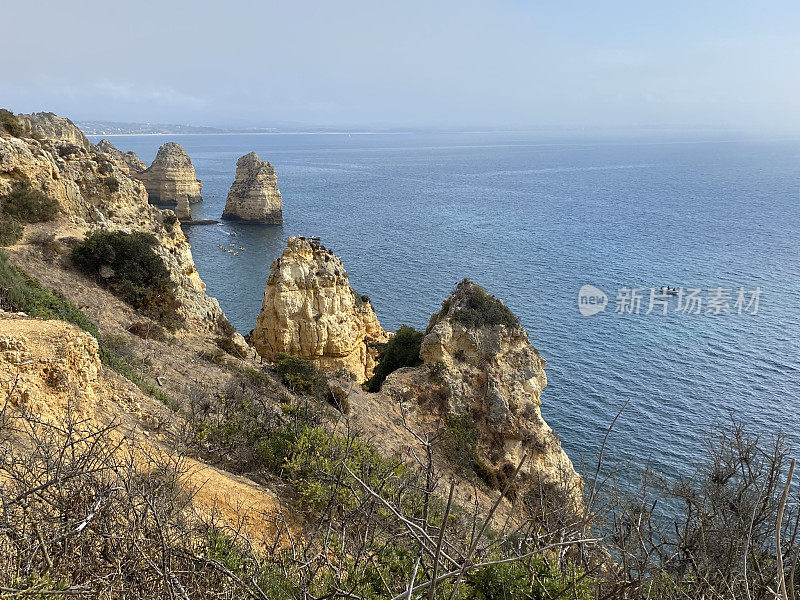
x,y
102,135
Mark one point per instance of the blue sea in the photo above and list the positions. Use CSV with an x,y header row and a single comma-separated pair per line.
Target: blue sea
x,y
533,218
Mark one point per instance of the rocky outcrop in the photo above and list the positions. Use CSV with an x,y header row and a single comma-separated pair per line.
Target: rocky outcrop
x,y
51,373
170,176
310,310
480,366
47,126
94,192
127,161
182,210
254,196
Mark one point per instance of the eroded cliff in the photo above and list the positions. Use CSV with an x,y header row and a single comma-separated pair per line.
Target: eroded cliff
x,y
94,192
48,126
310,310
170,176
254,196
481,374
127,161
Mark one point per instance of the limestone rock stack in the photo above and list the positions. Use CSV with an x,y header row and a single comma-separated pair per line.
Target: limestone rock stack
x,y
310,310
170,176
127,161
182,210
254,195
479,360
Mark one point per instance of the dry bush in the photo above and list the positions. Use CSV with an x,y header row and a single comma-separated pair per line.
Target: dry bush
x,y
81,516
711,535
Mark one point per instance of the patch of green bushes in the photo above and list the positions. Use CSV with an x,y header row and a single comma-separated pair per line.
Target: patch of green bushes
x,y
23,204
21,293
304,454
10,231
402,350
482,310
10,124
269,577
126,263
460,446
359,299
302,376
28,204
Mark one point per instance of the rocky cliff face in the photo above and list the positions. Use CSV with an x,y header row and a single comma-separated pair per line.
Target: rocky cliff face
x,y
480,365
47,126
170,176
310,310
94,192
254,195
127,161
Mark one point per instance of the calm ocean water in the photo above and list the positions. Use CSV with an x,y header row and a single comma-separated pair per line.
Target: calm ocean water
x,y
532,220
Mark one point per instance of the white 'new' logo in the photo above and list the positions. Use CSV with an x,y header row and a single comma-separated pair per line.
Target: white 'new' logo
x,y
591,300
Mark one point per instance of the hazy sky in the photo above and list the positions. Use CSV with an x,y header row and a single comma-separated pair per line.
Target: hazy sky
x,y
451,63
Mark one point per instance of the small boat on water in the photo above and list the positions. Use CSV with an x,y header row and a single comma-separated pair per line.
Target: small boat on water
x,y
669,291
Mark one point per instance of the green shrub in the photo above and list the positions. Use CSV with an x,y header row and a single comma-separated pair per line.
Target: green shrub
x,y
460,442
128,266
10,124
532,579
400,351
28,205
305,454
460,447
10,231
359,299
302,376
256,377
482,310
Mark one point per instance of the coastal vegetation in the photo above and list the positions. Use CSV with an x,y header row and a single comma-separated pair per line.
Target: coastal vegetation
x,y
481,310
128,266
376,528
402,350
23,204
9,123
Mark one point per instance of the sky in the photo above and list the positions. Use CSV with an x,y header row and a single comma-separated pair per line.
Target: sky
x,y
463,64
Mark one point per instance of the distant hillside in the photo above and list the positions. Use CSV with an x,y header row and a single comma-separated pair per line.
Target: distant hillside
x,y
119,128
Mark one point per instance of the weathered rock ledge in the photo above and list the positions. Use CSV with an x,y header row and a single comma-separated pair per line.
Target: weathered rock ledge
x,y
127,161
